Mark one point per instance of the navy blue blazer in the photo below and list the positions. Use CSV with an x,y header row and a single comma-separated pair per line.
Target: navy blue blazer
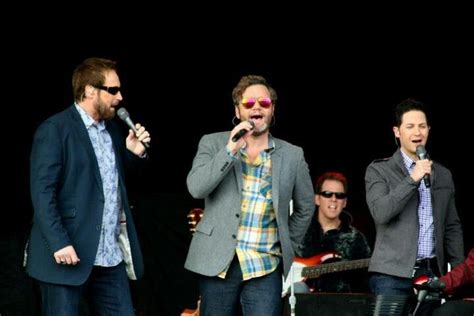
x,y
68,200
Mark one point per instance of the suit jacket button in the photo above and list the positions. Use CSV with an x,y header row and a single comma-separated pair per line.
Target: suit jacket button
x,y
237,215
97,227
233,236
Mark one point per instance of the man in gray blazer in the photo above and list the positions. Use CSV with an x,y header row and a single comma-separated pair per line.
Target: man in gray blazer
x,y
247,236
411,200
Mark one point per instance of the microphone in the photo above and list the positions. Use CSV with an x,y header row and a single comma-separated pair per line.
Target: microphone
x,y
422,295
422,154
425,285
242,132
124,116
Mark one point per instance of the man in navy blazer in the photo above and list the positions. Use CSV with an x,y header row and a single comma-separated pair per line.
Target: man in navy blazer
x,y
83,240
246,238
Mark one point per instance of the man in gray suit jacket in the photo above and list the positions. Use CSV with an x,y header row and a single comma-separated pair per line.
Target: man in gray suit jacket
x,y
411,200
247,237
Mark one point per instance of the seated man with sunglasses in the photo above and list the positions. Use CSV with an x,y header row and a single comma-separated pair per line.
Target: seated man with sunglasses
x,y
331,232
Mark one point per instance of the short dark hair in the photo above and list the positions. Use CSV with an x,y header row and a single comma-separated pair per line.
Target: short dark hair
x,y
337,176
250,80
407,106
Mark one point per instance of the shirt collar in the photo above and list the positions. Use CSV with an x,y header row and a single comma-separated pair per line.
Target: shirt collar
x,y
407,161
271,144
269,150
89,121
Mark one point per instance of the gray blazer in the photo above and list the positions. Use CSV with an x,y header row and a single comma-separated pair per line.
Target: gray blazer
x,y
392,197
217,178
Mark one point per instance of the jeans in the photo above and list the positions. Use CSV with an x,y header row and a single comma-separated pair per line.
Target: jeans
x,y
254,297
107,291
387,286
383,284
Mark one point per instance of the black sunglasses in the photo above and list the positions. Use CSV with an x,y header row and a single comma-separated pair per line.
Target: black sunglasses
x,y
111,90
329,194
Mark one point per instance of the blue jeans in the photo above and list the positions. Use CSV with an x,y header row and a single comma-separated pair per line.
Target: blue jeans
x,y
107,291
254,297
388,285
383,284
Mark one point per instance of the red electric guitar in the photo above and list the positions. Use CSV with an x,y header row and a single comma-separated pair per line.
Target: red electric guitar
x,y
313,267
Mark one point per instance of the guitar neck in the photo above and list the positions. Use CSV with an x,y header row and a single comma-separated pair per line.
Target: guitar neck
x,y
316,271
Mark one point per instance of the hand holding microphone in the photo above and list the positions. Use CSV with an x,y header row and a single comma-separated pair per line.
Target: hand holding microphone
x,y
243,131
141,134
423,166
243,128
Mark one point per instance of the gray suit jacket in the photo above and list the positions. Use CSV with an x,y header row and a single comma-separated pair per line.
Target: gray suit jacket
x,y
392,197
217,178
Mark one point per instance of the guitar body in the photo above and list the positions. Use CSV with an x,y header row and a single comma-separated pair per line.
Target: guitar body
x,y
317,265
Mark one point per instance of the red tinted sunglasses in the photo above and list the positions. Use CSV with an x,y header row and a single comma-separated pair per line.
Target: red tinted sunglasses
x,y
265,102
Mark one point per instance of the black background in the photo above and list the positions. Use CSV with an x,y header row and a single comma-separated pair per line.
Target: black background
x,y
335,101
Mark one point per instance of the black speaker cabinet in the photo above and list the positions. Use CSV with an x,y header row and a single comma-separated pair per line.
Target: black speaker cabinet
x,y
350,304
330,304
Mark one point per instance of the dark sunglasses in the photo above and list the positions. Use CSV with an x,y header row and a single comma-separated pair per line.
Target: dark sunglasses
x,y
265,102
111,90
329,194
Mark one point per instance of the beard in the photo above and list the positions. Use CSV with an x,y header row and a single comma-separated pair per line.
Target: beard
x,y
105,112
264,128
261,130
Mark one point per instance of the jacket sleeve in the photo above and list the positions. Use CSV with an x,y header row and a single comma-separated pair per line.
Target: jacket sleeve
x,y
210,165
303,202
45,173
461,275
453,235
386,202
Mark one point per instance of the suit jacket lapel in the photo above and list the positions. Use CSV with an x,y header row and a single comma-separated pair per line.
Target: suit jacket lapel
x,y
277,165
118,158
399,162
85,140
238,174
433,176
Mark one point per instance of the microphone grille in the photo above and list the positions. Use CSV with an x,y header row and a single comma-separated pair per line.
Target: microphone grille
x,y
420,150
123,113
252,123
